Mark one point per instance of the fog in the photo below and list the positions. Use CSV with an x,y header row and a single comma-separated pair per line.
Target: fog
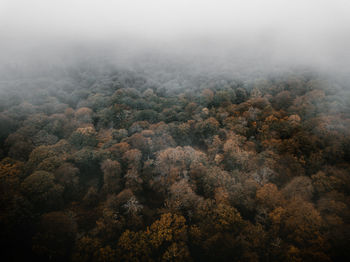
x,y
183,130
266,33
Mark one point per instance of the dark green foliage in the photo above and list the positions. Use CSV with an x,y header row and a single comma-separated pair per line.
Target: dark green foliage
x,y
42,191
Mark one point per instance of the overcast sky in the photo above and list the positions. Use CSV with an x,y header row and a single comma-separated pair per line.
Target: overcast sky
x,y
315,30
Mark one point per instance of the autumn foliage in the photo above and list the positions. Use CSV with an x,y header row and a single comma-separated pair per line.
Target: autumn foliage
x,y
120,166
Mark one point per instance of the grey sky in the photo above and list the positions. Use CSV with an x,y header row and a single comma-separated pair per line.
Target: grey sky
x,y
314,30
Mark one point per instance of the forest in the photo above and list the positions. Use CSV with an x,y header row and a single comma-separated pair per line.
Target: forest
x,y
168,164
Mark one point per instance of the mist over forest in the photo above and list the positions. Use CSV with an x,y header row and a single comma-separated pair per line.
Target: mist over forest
x,y
181,130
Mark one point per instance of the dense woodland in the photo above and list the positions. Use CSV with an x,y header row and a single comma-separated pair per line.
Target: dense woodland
x,y
126,165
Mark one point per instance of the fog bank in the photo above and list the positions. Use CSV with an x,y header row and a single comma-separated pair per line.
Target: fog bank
x,y
236,33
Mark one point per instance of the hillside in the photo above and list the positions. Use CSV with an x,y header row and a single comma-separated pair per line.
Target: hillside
x,y
111,164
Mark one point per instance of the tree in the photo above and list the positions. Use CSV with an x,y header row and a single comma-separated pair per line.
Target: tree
x,y
52,155
173,164
83,136
323,183
67,175
282,100
83,115
241,95
235,156
300,186
111,175
178,157
7,126
300,225
44,138
20,146
182,197
90,198
147,115
214,178
42,191
166,238
207,128
206,97
215,231
133,158
118,150
86,249
87,160
269,196
11,172
133,180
